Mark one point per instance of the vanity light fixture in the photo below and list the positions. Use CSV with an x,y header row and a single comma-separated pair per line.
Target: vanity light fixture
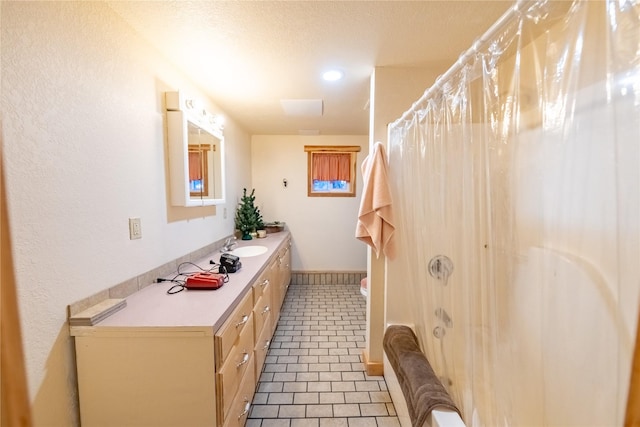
x,y
332,75
217,120
198,110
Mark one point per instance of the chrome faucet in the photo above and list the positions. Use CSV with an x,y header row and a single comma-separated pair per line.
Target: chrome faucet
x,y
229,244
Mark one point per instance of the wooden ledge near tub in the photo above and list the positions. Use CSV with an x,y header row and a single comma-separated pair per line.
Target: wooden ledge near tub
x,y
374,369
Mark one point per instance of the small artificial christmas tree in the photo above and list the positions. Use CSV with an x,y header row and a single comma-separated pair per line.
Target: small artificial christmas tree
x,y
248,217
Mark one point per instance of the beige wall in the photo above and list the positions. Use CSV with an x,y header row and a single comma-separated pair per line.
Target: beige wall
x,y
323,228
83,151
393,90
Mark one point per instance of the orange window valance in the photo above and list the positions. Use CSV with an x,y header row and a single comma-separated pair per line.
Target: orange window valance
x,y
331,166
195,167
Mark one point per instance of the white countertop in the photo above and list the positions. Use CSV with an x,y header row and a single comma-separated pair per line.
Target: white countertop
x,y
190,310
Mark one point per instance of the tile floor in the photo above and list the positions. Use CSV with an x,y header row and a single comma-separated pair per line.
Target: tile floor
x,y
313,375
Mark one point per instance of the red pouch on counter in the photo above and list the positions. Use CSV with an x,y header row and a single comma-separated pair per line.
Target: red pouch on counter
x,y
204,280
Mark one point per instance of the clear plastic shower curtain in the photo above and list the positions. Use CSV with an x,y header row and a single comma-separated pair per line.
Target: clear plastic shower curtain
x,y
517,191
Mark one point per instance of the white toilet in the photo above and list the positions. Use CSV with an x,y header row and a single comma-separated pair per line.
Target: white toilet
x,y
363,286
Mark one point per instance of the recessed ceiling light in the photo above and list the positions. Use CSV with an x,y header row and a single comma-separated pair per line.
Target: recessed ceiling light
x,y
332,75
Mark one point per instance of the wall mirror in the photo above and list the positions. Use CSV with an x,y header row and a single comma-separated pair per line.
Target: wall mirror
x,y
196,153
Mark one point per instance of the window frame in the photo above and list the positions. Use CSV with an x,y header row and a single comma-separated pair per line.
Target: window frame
x,y
327,149
203,152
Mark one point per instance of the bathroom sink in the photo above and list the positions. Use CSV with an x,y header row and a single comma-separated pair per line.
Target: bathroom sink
x,y
247,251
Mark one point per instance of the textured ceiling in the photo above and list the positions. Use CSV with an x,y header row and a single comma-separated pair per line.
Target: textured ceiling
x,y
248,56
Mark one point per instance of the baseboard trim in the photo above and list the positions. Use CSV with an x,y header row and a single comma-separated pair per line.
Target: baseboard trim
x,y
327,277
374,369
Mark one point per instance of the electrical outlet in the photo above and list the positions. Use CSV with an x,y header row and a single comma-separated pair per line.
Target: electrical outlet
x,y
135,229
224,213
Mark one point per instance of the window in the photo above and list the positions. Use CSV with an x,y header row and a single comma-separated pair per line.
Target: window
x,y
199,170
331,170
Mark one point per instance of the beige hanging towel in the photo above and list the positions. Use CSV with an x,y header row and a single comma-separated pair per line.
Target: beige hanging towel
x,y
375,219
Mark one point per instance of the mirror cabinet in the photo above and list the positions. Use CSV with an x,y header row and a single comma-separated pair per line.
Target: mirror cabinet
x,y
196,152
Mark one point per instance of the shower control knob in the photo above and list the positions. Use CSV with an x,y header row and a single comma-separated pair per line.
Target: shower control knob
x,y
439,332
440,267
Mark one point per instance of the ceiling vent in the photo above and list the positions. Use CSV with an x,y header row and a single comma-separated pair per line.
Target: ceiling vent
x,y
309,132
302,107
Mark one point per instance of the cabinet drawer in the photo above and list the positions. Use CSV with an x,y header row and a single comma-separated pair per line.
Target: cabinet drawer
x,y
260,286
262,347
226,336
239,409
240,358
261,313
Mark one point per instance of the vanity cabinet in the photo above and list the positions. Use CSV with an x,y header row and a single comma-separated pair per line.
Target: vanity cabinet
x,y
189,359
234,344
146,378
285,266
281,273
263,319
242,404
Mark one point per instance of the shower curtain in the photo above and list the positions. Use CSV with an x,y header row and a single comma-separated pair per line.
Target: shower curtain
x,y
516,185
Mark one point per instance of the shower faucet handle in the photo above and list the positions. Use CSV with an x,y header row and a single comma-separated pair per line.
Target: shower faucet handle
x,y
440,267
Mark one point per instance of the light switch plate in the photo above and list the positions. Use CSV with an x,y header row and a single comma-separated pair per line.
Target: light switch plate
x,y
135,229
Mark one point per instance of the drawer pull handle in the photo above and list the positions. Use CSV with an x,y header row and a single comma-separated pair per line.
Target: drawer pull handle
x,y
267,343
244,360
266,310
265,282
247,406
244,320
